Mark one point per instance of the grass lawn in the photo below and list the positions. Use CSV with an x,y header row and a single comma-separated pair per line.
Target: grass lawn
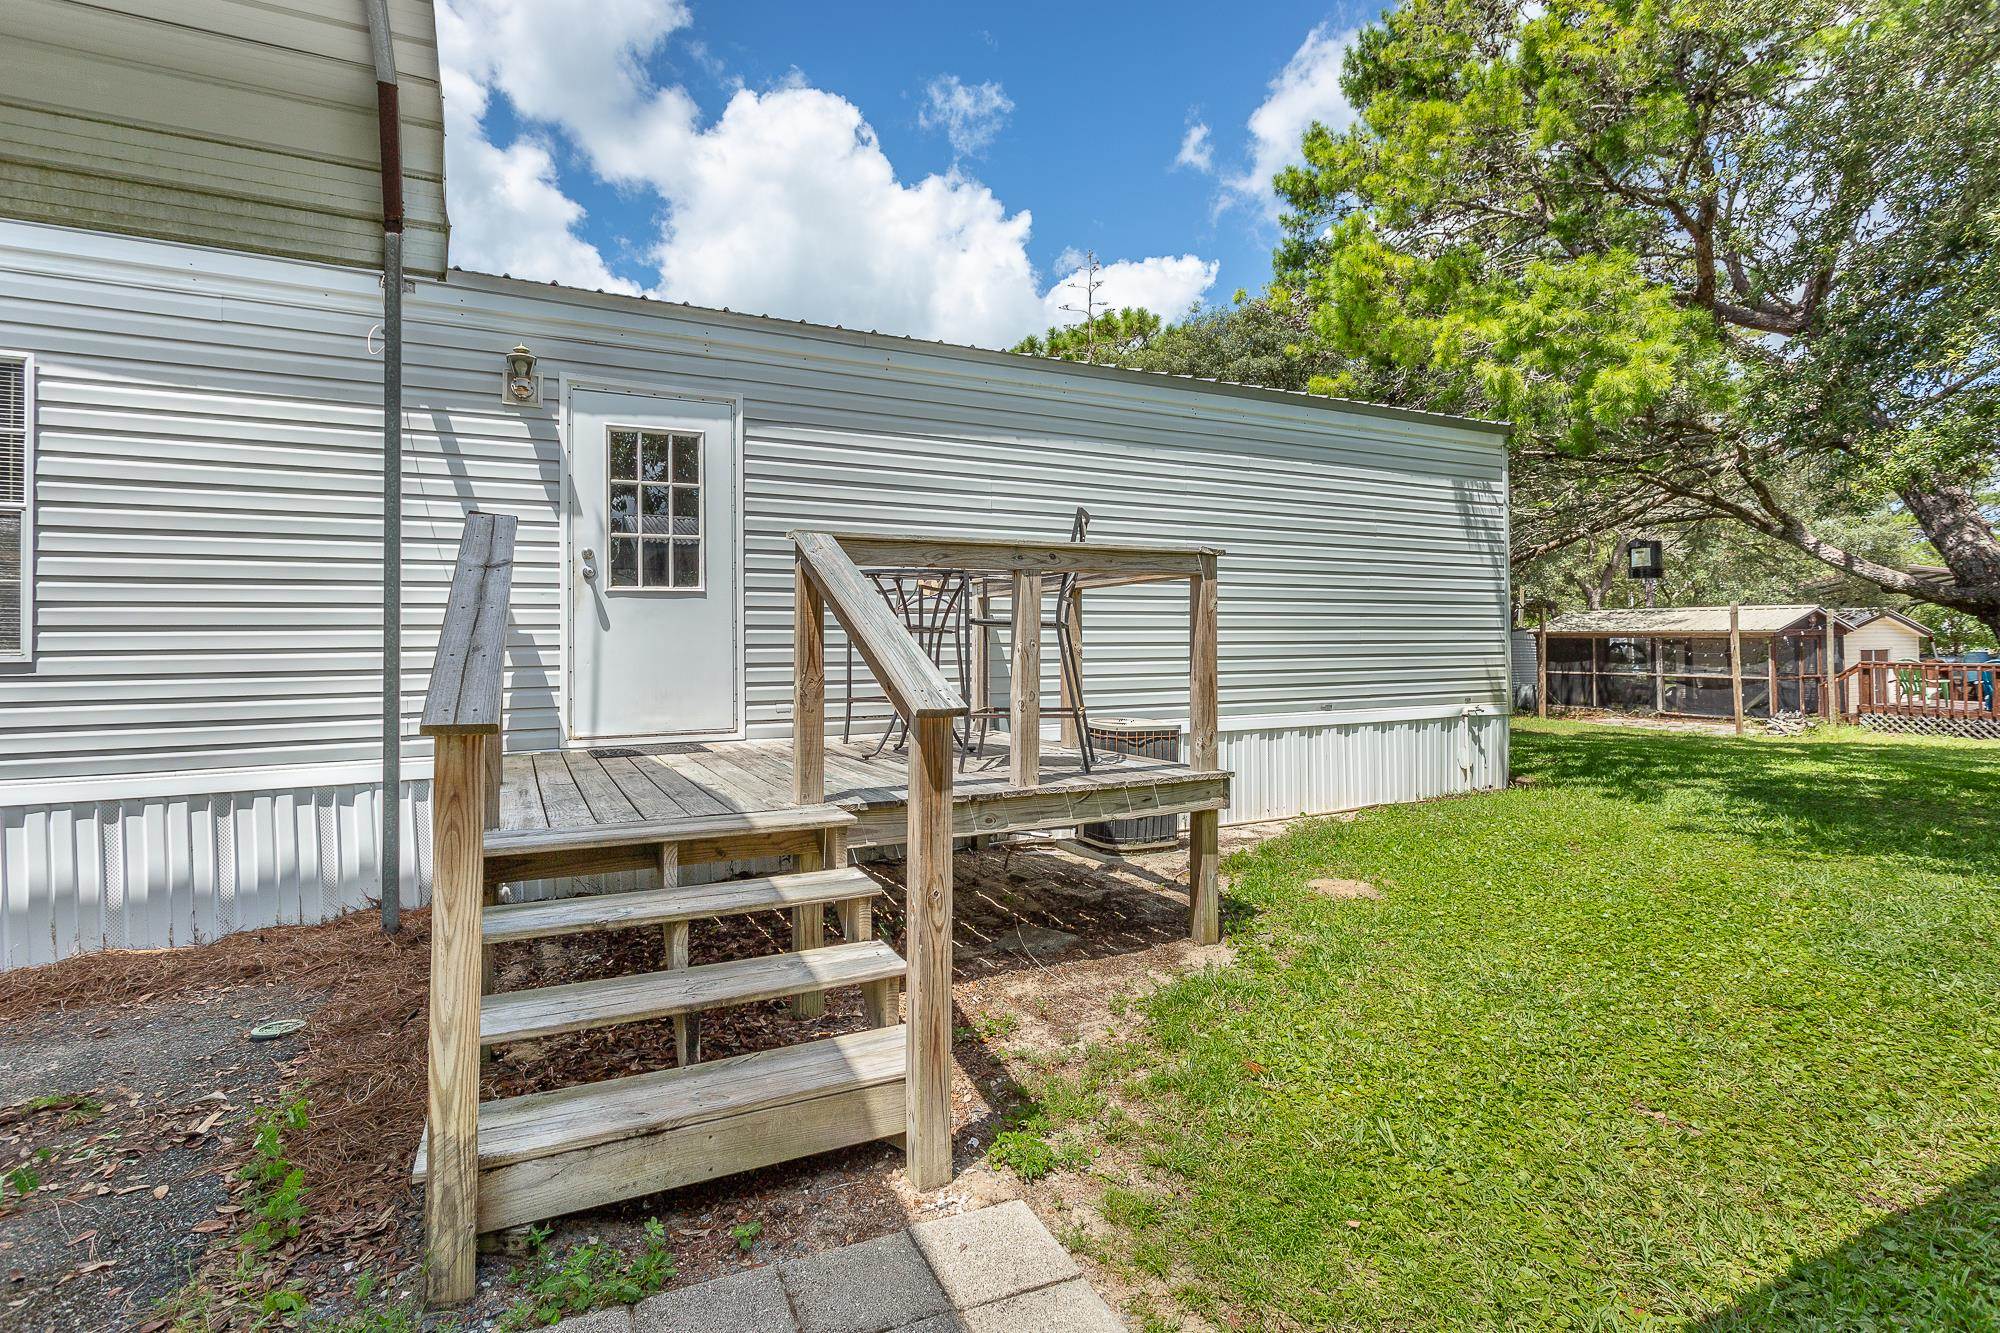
x,y
1691,1030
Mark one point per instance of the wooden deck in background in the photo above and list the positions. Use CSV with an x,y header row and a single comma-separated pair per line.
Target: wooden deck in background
x,y
556,789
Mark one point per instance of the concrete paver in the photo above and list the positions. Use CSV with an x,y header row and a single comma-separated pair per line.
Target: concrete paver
x,y
993,1270
752,1302
867,1288
992,1253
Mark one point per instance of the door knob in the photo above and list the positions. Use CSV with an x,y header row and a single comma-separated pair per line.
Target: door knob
x,y
589,565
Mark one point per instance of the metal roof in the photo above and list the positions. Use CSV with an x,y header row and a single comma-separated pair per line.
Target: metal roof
x,y
872,338
1642,622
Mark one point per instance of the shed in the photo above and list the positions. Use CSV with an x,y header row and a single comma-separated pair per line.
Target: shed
x,y
1677,659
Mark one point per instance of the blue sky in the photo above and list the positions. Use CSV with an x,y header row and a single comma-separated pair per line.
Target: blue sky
x,y
923,169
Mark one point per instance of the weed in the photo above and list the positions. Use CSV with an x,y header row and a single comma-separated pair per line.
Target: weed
x,y
277,1187
591,1275
402,1315
745,1234
996,1023
21,1182
77,1108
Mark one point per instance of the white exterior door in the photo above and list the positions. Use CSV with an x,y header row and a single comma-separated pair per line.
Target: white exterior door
x,y
655,613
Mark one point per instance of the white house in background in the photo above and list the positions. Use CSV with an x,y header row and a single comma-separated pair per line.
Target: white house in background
x,y
1878,634
189,712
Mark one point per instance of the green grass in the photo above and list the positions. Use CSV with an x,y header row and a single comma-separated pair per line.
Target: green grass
x,y
1690,1031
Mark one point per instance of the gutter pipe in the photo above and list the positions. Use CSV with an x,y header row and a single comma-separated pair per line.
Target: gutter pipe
x,y
389,129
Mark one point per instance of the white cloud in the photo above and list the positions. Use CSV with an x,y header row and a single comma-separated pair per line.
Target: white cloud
x,y
508,214
1197,150
970,114
785,205
1165,284
789,206
1307,89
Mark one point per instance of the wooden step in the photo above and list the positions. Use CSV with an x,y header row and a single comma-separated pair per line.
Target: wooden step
x,y
551,1010
519,1129
514,854
550,1153
658,907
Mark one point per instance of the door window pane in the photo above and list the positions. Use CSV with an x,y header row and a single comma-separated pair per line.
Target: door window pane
x,y
624,562
624,455
687,564
687,459
655,515
655,564
687,511
624,508
655,457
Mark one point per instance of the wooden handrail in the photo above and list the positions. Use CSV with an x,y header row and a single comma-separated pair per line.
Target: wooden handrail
x,y
908,676
827,577
464,693
1920,689
462,715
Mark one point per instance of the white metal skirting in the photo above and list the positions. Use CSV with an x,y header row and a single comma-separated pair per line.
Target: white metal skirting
x,y
149,871
1319,769
180,869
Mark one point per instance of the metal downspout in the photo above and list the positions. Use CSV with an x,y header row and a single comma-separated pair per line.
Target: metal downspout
x,y
389,129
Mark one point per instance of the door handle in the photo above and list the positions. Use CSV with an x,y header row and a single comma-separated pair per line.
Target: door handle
x,y
589,558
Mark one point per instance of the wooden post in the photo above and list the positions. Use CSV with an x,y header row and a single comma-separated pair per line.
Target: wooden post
x,y
1024,718
1736,664
1830,714
809,932
927,942
1072,613
678,938
1596,656
1655,646
1204,826
1771,673
808,689
451,1193
489,894
1542,664
981,669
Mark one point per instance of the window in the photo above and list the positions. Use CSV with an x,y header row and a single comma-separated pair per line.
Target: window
x,y
655,508
17,463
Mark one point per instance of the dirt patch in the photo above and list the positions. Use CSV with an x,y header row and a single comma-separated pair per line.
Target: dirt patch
x,y
1340,889
127,1118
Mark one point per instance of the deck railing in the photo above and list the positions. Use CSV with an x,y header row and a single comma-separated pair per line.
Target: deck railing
x,y
462,713
828,576
1920,689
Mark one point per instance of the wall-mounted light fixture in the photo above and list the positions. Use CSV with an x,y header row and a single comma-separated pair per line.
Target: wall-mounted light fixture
x,y
519,385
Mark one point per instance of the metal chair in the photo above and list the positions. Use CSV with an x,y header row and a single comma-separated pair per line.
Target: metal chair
x,y
1069,660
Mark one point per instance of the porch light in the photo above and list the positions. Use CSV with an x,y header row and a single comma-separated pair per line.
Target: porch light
x,y
520,385
1644,559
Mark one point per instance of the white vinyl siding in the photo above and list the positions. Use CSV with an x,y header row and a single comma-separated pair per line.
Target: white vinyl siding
x,y
210,515
17,501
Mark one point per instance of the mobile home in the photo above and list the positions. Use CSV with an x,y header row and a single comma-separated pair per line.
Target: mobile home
x,y
190,737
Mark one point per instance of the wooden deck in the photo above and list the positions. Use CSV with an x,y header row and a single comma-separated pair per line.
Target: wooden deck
x,y
559,789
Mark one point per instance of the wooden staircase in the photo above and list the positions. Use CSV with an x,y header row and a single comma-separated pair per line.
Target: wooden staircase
x,y
521,1159
582,1146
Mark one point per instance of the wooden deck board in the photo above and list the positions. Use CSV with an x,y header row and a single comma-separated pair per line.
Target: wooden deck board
x,y
565,789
